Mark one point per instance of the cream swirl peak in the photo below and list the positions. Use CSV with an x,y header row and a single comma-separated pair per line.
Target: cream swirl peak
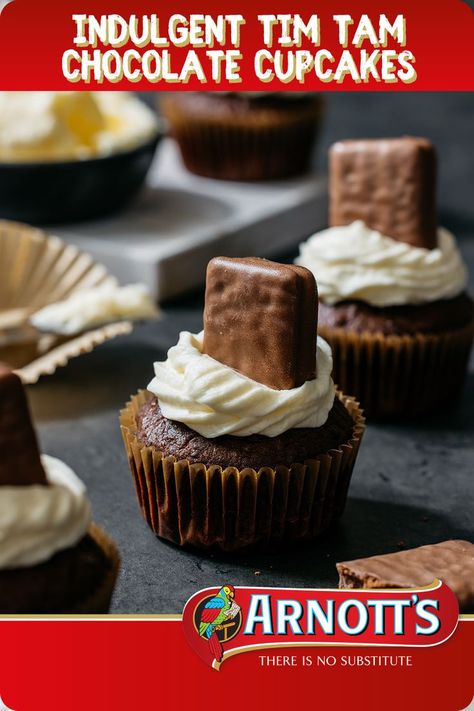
x,y
214,400
355,262
38,521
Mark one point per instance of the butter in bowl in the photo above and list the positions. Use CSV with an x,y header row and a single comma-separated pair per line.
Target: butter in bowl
x,y
69,156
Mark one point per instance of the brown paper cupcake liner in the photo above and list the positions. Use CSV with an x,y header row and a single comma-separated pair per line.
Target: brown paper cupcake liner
x,y
231,509
394,376
260,145
61,354
98,602
37,269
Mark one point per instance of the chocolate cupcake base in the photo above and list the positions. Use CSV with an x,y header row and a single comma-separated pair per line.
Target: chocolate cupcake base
x,y
230,138
232,509
78,580
400,375
98,601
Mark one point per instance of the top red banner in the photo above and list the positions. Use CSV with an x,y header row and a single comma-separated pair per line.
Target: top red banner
x,y
352,45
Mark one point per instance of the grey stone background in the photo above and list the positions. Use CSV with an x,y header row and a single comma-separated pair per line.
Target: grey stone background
x,y
413,484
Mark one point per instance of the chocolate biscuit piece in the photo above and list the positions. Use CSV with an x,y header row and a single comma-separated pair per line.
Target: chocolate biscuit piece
x,y
388,183
449,561
260,318
20,463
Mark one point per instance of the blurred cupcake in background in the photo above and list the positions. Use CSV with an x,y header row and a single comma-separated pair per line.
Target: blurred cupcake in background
x,y
246,136
52,558
392,285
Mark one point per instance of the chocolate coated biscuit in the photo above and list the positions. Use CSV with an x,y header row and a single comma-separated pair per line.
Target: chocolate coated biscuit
x,y
388,183
450,561
260,318
20,463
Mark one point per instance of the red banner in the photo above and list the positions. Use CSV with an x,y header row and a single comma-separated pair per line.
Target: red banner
x,y
356,45
132,664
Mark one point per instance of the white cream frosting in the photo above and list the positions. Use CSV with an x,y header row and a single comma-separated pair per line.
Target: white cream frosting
x,y
214,400
355,262
71,125
38,521
96,306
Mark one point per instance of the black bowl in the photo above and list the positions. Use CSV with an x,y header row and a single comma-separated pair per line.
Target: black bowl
x,y
69,191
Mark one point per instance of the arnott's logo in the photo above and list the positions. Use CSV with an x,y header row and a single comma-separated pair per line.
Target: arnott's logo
x,y
221,622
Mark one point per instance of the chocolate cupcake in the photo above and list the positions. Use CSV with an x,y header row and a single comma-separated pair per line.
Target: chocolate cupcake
x,y
241,439
52,559
393,304
244,136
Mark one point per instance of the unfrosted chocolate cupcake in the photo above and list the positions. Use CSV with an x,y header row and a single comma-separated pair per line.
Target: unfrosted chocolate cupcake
x,y
52,559
244,136
241,439
393,304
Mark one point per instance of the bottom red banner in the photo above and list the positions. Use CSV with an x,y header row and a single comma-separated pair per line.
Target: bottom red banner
x,y
130,663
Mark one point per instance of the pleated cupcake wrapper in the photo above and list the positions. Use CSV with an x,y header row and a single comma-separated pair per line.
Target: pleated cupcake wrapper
x,y
393,376
60,355
231,509
259,145
36,270
98,602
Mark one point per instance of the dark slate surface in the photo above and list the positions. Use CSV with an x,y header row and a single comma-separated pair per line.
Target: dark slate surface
x,y
412,484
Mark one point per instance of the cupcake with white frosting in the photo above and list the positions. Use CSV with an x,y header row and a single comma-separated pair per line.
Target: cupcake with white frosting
x,y
233,444
395,313
245,136
53,559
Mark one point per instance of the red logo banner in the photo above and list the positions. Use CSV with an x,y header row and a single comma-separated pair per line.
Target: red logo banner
x,y
221,622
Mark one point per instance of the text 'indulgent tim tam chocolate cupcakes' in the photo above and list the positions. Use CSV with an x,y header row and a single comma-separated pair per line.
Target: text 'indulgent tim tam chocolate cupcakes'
x,y
260,318
449,561
241,439
388,183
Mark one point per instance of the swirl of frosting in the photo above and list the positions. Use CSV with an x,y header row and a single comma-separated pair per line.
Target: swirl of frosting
x,y
38,521
213,399
355,262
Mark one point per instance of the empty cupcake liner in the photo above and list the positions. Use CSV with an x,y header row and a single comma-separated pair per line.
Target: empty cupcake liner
x,y
258,145
393,376
230,509
98,602
35,270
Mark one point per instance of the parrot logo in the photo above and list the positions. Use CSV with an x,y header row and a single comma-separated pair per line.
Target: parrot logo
x,y
218,619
